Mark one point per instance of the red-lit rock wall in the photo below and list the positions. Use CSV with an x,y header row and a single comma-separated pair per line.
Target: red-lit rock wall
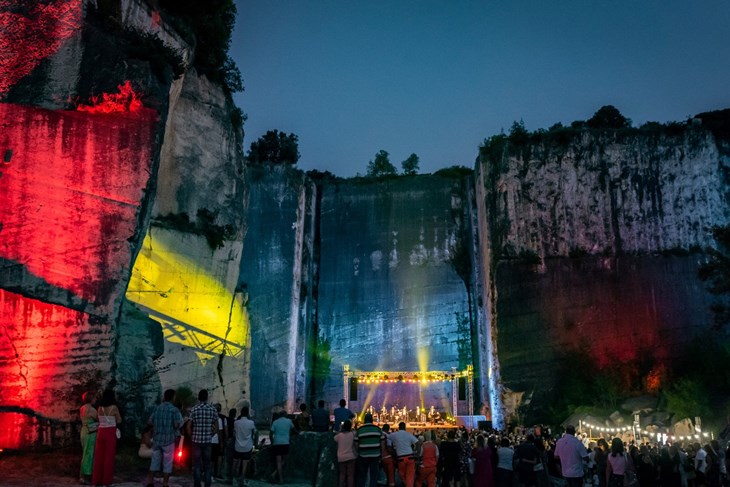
x,y
69,197
71,188
48,352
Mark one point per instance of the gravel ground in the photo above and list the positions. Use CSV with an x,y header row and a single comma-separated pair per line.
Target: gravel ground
x,y
59,468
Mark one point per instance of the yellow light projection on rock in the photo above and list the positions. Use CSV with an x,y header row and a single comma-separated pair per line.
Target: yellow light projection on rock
x,y
179,283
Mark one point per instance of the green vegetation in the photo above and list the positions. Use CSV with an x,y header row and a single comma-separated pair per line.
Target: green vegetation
x,y
695,385
204,225
381,166
607,120
410,166
274,147
454,172
237,118
608,117
207,26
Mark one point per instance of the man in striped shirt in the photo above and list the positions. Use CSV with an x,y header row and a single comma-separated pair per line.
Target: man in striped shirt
x,y
369,439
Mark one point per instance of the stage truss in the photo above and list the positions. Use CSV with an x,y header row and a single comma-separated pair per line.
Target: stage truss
x,y
417,377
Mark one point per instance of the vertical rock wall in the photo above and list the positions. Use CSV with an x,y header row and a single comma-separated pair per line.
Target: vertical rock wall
x,y
77,192
590,248
390,298
276,271
70,193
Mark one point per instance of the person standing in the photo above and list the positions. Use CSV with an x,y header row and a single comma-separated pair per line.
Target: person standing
x,y
403,443
482,454
341,414
320,418
230,444
526,457
388,457
244,431
570,451
203,425
429,457
303,419
617,464
218,442
89,425
450,464
505,455
368,438
281,430
346,455
165,421
106,439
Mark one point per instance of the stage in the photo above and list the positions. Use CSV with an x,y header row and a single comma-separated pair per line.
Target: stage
x,y
410,426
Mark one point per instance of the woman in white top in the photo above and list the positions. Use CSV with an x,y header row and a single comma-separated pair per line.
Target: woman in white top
x,y
106,440
618,464
245,431
505,455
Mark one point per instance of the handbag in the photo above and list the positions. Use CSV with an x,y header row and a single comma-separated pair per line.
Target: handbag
x,y
119,434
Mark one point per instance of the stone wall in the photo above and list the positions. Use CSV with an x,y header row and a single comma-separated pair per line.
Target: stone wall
x,y
276,271
99,205
390,296
595,246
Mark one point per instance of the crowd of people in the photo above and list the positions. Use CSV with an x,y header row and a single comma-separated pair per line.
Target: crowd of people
x,y
222,446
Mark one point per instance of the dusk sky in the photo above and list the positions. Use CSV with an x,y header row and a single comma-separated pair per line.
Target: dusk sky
x,y
437,77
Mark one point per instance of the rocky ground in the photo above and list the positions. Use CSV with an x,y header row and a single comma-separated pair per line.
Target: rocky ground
x,y
59,468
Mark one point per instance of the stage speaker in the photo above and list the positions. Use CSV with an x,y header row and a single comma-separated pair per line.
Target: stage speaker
x,y
353,389
484,425
462,388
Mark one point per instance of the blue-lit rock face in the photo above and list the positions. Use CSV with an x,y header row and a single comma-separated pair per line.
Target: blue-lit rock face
x,y
275,272
390,298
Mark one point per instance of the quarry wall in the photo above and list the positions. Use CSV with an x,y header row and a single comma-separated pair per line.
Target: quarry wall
x,y
595,246
137,252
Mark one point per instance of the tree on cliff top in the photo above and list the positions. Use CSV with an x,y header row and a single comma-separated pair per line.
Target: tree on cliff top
x,y
410,165
274,147
381,166
210,24
608,117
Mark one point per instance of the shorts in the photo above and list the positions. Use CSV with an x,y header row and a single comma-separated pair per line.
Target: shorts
x,y
280,450
162,456
242,455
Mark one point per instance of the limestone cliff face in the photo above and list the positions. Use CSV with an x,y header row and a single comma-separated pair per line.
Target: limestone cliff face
x,y
608,194
391,297
589,247
99,204
277,273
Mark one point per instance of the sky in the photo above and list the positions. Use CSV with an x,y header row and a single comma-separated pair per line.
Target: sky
x,y
437,77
